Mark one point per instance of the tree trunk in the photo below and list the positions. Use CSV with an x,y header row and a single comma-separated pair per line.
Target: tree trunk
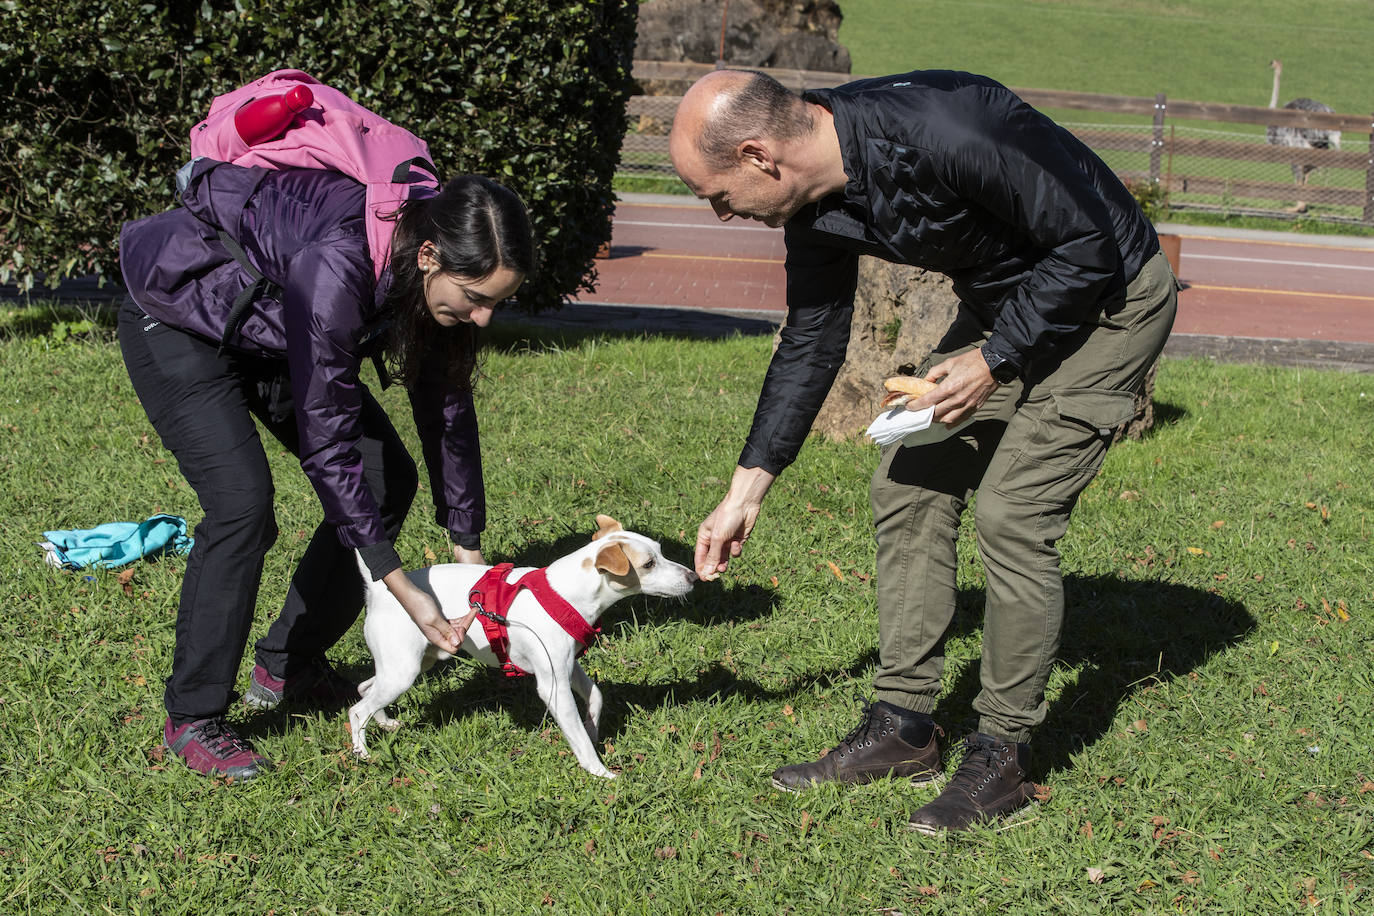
x,y
900,315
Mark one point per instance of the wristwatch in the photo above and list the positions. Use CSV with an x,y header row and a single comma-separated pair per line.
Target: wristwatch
x,y
1003,369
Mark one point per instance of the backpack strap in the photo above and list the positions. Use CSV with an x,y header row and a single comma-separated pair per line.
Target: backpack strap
x,y
261,287
401,175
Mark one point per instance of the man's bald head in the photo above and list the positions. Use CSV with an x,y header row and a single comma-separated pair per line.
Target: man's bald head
x,y
726,107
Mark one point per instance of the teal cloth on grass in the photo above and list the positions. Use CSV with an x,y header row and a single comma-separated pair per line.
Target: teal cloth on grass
x,y
117,543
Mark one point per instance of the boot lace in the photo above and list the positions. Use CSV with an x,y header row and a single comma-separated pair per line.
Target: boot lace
x,y
980,766
858,735
219,739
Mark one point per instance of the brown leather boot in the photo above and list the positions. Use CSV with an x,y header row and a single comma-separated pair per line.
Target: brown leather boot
x,y
992,781
873,750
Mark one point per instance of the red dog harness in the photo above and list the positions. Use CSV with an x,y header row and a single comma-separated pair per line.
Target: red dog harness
x,y
491,598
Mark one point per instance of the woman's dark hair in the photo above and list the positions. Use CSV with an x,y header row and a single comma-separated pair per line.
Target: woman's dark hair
x,y
477,226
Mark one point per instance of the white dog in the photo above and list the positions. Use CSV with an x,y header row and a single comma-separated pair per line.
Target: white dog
x,y
616,564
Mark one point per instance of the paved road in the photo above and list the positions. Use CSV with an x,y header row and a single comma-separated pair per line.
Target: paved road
x,y
1248,295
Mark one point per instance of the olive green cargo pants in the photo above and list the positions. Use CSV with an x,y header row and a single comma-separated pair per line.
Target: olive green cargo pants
x,y
1029,452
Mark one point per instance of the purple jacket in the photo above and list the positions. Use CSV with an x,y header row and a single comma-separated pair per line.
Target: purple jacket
x,y
304,230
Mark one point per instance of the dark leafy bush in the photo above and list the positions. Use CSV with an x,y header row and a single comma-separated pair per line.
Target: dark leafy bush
x,y
1152,196
99,96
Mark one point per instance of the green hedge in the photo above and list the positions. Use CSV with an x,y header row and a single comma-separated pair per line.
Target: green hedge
x,y
99,97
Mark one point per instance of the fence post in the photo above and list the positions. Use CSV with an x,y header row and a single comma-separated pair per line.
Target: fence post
x,y
1369,179
1157,142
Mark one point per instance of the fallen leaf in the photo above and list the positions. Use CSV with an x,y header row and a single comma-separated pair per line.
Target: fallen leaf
x,y
836,570
1131,496
1141,725
1218,524
806,822
1341,612
1196,551
1087,829
590,847
429,554
666,852
787,709
927,890
1095,875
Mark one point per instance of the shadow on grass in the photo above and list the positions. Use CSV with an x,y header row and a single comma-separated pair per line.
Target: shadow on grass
x,y
56,320
578,322
1125,636
1166,414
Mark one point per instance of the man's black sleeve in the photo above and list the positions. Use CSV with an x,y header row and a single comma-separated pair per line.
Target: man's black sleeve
x,y
821,281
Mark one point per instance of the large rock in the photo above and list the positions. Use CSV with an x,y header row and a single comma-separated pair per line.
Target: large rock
x,y
797,34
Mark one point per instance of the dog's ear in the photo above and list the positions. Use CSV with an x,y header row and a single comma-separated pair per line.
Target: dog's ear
x,y
605,525
612,559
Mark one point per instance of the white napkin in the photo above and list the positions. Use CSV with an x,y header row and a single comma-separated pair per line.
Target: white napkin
x,y
911,427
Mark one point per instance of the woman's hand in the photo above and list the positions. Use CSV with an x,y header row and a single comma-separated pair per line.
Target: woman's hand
x,y
464,555
423,609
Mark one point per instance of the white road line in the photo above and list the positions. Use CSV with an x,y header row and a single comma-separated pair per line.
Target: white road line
x,y
1226,257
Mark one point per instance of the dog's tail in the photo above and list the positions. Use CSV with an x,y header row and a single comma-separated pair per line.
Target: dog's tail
x,y
362,568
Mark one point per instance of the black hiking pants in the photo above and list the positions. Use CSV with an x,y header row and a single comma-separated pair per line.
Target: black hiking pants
x,y
202,404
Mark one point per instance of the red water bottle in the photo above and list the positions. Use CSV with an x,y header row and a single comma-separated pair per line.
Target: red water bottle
x,y
267,118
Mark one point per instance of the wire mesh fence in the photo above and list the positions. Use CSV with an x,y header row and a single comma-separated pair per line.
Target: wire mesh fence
x,y
1221,158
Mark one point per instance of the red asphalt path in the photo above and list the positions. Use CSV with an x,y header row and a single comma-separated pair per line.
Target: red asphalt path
x,y
673,252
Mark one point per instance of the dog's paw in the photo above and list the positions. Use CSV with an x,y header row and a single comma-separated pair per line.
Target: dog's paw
x,y
388,725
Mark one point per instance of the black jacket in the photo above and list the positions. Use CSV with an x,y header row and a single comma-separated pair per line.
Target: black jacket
x,y
951,172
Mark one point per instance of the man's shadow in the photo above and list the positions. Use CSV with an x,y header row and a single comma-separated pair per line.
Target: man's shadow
x,y
1123,636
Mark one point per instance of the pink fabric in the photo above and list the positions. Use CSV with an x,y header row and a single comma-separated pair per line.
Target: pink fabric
x,y
333,133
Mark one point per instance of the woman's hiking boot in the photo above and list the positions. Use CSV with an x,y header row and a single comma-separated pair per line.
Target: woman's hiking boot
x,y
211,748
315,683
888,742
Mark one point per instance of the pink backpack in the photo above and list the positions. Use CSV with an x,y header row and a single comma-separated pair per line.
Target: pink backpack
x,y
335,133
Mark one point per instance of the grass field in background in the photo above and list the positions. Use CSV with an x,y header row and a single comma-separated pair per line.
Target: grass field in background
x,y
1207,749
1212,51
1199,50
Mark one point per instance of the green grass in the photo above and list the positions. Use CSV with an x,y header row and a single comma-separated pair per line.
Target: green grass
x,y
1199,50
1213,51
1207,749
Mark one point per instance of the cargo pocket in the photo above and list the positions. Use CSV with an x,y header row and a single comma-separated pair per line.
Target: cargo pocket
x,y
1094,407
1052,459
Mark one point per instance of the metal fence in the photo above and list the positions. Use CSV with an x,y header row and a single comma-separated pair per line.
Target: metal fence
x,y
1234,159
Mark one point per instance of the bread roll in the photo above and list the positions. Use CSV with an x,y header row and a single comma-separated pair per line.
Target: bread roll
x,y
904,388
